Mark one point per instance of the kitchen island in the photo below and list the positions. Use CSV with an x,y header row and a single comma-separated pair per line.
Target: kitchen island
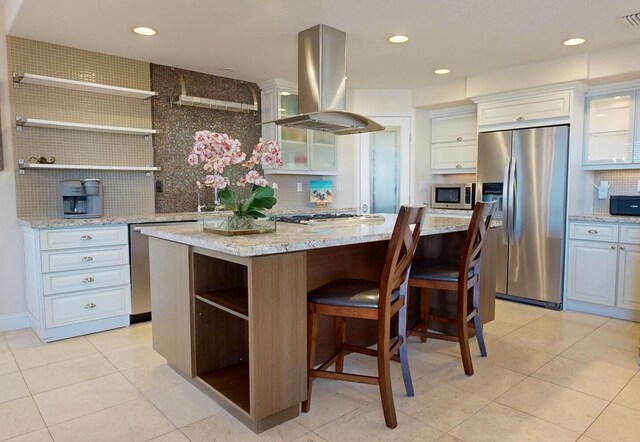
x,y
229,313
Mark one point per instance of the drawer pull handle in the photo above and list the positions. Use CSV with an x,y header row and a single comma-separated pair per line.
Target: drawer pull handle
x,y
458,166
459,139
613,247
85,238
88,279
621,247
520,119
87,259
593,231
90,306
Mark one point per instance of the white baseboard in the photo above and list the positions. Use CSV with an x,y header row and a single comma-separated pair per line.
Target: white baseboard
x,y
14,321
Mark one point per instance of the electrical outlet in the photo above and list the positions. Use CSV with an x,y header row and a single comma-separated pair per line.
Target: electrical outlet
x,y
299,187
423,185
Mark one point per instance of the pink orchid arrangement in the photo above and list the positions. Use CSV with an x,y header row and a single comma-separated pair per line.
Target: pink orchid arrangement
x,y
241,186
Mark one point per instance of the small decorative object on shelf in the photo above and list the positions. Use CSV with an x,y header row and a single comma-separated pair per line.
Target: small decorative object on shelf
x,y
239,185
42,160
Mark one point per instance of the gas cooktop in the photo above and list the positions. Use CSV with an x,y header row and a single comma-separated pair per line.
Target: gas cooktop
x,y
327,219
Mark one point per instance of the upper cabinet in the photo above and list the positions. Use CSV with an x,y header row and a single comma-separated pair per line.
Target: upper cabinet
x,y
509,113
612,136
454,141
303,151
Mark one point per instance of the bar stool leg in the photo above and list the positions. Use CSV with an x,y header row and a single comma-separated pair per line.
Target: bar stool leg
x,y
425,299
341,335
312,336
477,322
402,351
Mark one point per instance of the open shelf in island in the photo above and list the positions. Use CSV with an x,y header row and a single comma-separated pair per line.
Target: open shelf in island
x,y
232,382
233,300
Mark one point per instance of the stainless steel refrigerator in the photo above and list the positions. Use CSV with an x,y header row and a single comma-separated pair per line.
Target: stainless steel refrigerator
x,y
525,170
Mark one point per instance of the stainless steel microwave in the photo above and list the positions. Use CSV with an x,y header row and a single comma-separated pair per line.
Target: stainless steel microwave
x,y
453,196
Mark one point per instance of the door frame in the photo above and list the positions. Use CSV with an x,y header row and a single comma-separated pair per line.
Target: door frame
x,y
406,122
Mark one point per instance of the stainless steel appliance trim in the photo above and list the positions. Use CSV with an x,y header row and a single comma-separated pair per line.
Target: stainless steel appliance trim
x,y
505,201
512,200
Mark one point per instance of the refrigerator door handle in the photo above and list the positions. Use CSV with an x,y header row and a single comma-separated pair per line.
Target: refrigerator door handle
x,y
505,201
512,201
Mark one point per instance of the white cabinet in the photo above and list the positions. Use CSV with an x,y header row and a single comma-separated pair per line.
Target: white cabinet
x,y
522,111
78,280
629,277
303,151
454,141
611,138
592,272
603,265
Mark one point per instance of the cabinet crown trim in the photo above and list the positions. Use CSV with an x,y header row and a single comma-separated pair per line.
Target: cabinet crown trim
x,y
573,86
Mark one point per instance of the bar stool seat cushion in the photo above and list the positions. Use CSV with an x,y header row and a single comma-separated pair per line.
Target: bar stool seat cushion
x,y
349,293
436,272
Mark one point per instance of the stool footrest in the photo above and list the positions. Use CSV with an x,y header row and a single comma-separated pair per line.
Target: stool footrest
x,y
349,377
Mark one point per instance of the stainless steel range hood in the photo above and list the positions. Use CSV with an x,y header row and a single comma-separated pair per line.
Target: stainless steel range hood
x,y
321,85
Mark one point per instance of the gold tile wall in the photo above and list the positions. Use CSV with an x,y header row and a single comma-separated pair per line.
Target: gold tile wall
x,y
37,191
623,182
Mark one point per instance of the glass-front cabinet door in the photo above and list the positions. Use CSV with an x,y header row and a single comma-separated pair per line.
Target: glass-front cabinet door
x,y
609,137
306,151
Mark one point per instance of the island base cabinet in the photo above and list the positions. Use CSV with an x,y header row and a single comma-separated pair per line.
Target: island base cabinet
x,y
235,326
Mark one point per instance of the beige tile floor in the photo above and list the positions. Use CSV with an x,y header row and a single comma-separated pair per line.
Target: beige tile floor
x,y
549,376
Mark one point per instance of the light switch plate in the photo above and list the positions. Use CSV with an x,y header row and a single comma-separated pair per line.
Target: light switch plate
x,y
299,187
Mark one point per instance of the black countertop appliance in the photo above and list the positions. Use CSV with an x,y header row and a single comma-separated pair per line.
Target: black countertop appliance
x,y
624,205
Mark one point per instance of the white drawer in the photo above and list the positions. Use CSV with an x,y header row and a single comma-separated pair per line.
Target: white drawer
x,y
594,232
83,237
84,259
630,234
89,279
87,306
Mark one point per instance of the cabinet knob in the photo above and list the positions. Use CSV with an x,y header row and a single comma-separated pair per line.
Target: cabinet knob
x,y
88,279
87,258
520,119
459,139
90,306
458,166
613,247
592,231
85,238
621,247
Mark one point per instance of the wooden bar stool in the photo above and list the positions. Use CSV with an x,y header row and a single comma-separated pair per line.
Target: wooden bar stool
x,y
354,298
458,278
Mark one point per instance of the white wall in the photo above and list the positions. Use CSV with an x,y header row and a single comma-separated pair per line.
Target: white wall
x,y
12,302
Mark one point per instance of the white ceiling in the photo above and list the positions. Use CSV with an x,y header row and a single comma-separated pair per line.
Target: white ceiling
x,y
257,38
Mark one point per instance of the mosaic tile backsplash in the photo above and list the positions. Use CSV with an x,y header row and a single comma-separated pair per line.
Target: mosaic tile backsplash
x,y
623,182
178,124
124,193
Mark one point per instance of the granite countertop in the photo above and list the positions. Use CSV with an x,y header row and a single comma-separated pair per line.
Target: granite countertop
x,y
295,237
48,223
605,218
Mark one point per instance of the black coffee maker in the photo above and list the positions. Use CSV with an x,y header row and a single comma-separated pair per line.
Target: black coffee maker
x,y
81,198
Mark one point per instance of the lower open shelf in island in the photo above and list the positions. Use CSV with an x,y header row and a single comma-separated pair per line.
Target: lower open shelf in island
x,y
232,382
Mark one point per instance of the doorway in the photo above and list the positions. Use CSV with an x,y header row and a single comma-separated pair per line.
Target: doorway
x,y
385,166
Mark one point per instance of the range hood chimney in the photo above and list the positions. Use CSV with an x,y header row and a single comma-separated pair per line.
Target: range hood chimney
x,y
321,85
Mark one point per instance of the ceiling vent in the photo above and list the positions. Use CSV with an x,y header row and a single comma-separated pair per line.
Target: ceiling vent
x,y
630,20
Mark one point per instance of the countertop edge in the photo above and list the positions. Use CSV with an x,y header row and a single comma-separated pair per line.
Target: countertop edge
x,y
606,218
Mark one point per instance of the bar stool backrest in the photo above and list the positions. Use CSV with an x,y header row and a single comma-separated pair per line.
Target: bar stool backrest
x,y
478,228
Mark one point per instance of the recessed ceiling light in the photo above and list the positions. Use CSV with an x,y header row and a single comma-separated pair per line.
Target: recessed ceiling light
x,y
601,115
398,39
573,41
141,30
442,71
285,93
617,97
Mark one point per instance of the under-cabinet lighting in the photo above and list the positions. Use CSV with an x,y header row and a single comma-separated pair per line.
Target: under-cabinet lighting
x,y
285,93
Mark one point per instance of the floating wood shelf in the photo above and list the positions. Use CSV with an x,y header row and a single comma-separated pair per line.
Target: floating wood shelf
x,y
23,165
86,86
234,301
33,122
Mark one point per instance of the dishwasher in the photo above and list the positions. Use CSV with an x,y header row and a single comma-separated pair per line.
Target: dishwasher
x,y
139,261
